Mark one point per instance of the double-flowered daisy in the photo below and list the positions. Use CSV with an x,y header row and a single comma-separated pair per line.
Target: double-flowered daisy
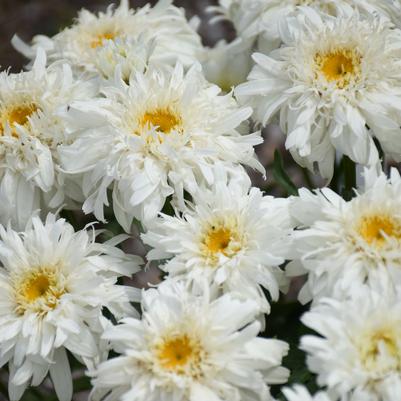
x,y
358,352
300,393
54,284
175,39
335,84
190,348
30,131
343,245
260,19
158,135
231,237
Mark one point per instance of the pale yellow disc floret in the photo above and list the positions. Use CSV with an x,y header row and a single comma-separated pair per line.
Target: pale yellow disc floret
x,y
379,350
164,119
181,354
375,228
218,239
38,290
340,65
222,236
100,38
18,113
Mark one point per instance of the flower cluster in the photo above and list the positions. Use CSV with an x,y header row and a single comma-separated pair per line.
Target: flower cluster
x,y
126,117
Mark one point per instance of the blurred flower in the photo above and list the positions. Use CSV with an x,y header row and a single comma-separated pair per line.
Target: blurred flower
x,y
54,284
334,85
260,19
189,347
174,37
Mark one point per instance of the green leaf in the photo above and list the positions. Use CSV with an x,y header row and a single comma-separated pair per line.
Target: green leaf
x,y
284,323
32,394
82,383
281,176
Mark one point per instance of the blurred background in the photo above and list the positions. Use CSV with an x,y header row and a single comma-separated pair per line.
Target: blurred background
x,y
31,17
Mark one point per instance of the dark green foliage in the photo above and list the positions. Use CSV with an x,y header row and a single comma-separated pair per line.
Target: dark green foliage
x,y
281,176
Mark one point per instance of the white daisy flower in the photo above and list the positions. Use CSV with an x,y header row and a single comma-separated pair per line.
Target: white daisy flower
x,y
358,352
227,64
190,348
232,237
54,284
342,245
300,393
334,85
259,19
157,136
30,131
174,37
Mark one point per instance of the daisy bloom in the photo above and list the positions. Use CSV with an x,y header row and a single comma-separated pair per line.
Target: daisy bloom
x,y
300,393
190,348
54,284
358,352
334,85
30,131
231,236
343,245
79,44
158,135
259,19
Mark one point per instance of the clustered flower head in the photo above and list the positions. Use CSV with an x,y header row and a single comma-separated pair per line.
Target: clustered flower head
x,y
190,347
125,132
331,88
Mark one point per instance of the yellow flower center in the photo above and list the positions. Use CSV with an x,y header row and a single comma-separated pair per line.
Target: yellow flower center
x,y
100,38
339,66
379,351
218,239
37,287
222,236
180,354
17,114
164,119
38,290
375,228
